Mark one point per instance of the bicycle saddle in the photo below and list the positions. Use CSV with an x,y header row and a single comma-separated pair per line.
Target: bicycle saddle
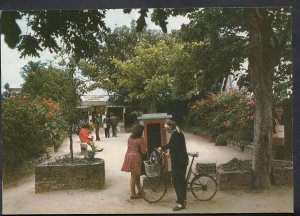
x,y
193,154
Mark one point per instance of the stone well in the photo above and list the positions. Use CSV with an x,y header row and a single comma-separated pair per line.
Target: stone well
x,y
282,172
89,174
234,177
237,174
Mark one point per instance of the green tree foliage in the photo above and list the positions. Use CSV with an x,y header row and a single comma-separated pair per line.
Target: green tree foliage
x,y
120,44
10,28
80,31
224,43
44,81
148,76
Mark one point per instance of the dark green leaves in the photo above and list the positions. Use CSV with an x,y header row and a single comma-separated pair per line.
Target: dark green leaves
x,y
29,46
141,22
10,28
80,32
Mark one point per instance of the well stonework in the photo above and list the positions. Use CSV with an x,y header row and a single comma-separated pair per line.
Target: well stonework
x,y
234,174
89,175
282,172
233,179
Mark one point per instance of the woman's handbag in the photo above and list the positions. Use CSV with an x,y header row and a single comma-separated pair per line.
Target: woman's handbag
x,y
278,137
104,125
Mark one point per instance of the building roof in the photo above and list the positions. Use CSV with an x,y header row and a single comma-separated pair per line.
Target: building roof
x,y
15,88
86,104
154,116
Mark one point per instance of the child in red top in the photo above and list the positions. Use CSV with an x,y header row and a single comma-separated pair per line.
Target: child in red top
x,y
85,137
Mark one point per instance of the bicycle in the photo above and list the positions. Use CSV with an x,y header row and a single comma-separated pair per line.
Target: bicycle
x,y
203,186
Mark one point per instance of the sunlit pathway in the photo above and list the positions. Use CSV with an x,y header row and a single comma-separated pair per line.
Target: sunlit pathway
x,y
114,198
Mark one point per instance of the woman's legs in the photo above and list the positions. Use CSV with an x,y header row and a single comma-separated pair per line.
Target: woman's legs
x,y
132,184
97,127
135,182
107,132
138,184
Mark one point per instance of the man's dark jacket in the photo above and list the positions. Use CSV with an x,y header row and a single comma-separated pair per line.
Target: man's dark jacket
x,y
179,157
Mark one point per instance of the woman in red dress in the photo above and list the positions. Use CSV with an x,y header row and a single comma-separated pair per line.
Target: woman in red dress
x,y
133,159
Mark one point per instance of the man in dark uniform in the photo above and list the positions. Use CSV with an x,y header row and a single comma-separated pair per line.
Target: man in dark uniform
x,y
179,162
114,124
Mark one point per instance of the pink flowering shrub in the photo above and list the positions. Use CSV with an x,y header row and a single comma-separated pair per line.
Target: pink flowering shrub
x,y
29,127
220,113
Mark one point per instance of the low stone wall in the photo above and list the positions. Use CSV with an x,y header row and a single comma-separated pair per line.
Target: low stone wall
x,y
282,172
89,175
233,179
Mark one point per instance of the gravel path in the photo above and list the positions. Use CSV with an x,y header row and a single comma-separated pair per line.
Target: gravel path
x,y
114,198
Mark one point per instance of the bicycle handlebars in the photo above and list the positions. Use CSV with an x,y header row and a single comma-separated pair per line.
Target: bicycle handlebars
x,y
192,154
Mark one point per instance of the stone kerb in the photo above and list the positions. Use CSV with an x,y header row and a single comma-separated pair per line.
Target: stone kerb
x,y
238,174
52,177
282,172
234,174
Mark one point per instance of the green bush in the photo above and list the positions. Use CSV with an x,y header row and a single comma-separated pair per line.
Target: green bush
x,y
222,139
29,127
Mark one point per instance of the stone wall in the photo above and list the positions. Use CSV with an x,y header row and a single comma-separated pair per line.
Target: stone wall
x,y
282,172
233,179
89,175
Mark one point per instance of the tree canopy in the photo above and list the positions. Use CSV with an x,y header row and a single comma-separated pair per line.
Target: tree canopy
x,y
80,31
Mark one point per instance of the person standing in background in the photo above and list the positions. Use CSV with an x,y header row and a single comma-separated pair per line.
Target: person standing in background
x,y
97,126
91,125
114,124
279,148
106,125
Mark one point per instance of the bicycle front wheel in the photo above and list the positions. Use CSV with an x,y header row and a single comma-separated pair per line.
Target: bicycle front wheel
x,y
204,187
153,189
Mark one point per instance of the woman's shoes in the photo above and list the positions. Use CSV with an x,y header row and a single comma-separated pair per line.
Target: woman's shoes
x,y
136,196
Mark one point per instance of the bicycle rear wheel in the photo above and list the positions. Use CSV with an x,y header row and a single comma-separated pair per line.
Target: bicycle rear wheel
x,y
204,187
153,189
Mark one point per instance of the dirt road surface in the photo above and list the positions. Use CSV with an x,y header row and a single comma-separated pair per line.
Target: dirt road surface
x,y
114,198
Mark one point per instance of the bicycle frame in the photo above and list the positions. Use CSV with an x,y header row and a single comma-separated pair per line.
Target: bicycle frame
x,y
202,186
190,171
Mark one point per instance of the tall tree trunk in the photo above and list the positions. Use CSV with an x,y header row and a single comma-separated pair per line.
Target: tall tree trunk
x,y
153,106
261,71
71,142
